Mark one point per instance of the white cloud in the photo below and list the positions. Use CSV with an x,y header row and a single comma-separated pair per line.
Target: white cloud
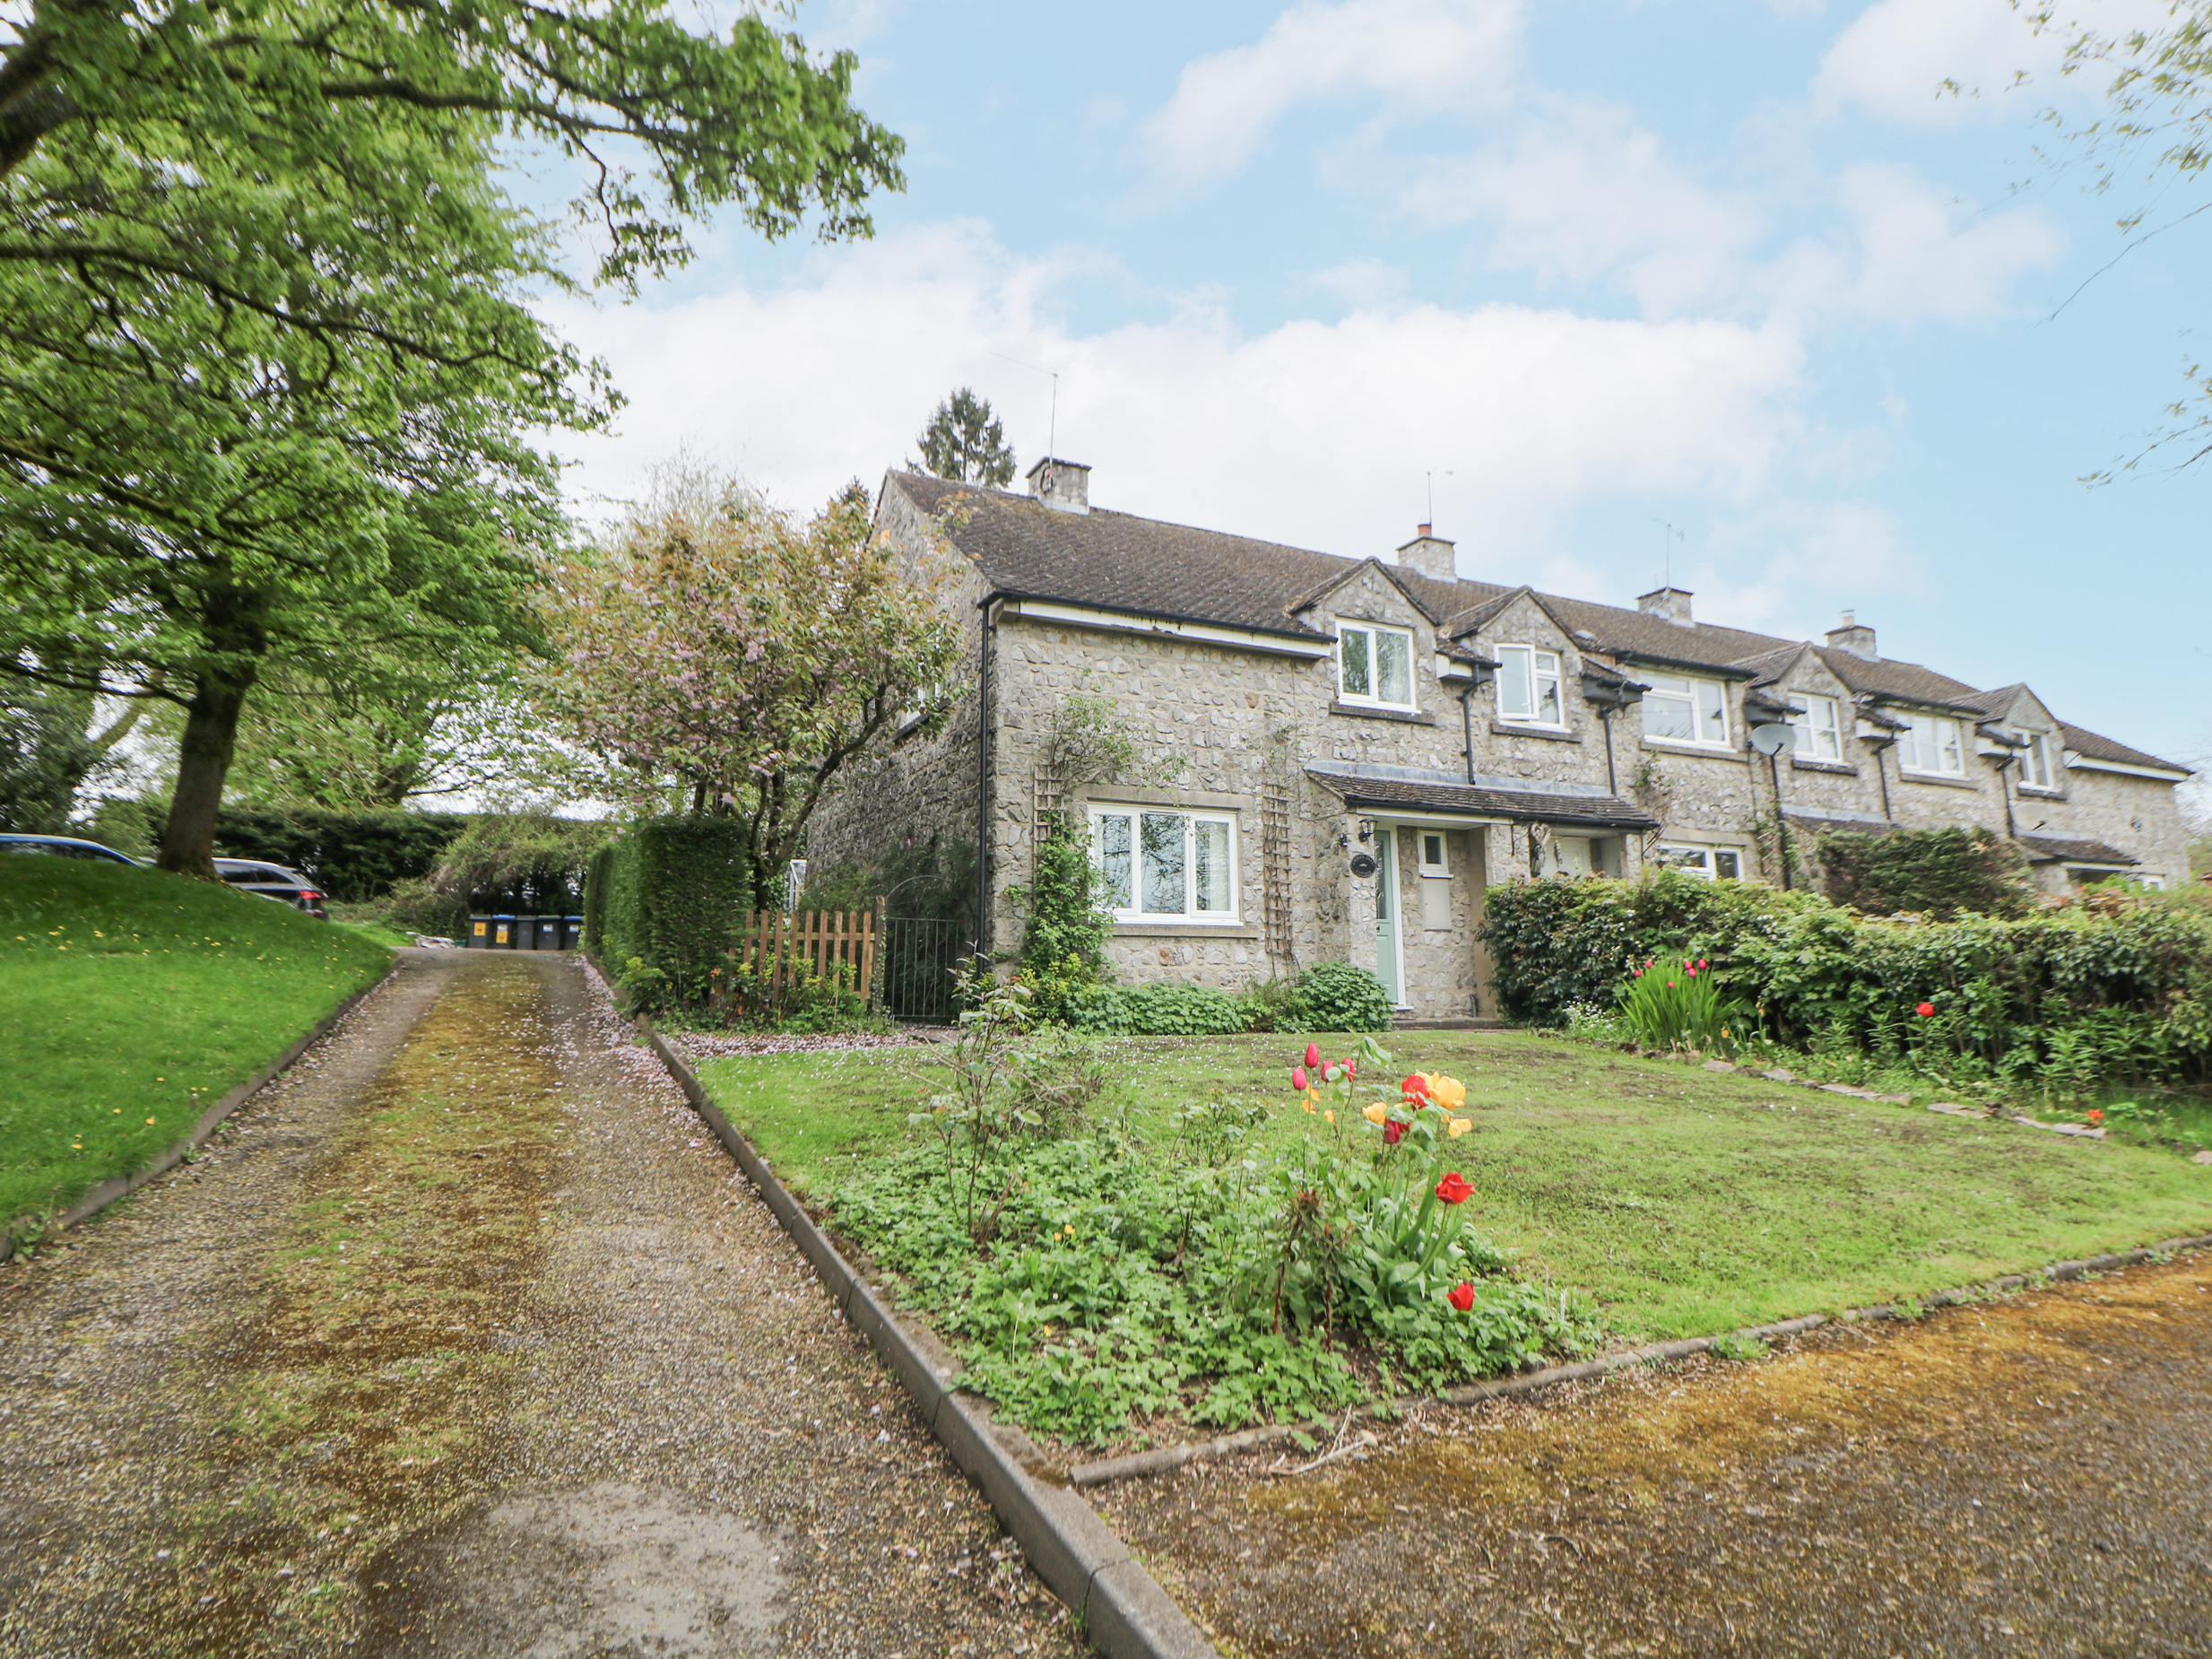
x,y
1190,418
1897,55
1915,254
1584,197
1426,54
1788,567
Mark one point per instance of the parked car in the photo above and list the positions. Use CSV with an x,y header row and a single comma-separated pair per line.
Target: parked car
x,y
62,846
251,875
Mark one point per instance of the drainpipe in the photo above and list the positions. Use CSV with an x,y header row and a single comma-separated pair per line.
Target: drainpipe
x,y
983,779
2004,791
1782,823
1881,770
1605,718
1467,722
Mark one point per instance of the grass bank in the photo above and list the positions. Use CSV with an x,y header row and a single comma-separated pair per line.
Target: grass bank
x,y
134,1000
1682,1202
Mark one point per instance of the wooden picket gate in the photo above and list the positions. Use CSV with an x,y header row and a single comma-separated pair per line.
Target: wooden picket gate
x,y
839,944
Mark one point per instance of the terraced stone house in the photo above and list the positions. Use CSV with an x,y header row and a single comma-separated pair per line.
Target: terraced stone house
x,y
1366,744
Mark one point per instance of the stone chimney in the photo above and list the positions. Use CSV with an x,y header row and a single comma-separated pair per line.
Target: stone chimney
x,y
1853,638
1063,485
1430,554
1671,602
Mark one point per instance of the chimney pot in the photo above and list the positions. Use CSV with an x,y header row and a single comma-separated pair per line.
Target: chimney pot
x,y
1854,637
1670,603
1063,486
1420,532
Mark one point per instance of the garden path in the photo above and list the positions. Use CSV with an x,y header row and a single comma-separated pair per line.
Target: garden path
x,y
466,1338
2025,1477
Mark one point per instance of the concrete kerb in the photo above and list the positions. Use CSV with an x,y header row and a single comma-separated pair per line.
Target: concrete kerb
x,y
117,1188
1124,1612
1163,1459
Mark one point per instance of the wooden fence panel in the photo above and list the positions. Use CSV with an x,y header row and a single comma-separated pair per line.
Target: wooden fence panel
x,y
776,946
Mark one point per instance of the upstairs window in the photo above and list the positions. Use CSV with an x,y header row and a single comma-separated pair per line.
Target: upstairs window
x,y
1374,666
2035,770
1528,685
1165,865
1679,710
1711,864
1929,745
1819,729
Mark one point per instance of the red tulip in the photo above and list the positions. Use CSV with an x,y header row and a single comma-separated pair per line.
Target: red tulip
x,y
2096,1116
1701,962
1686,969
1461,1296
1313,1056
1670,985
1350,1069
1453,1189
1924,1010
1297,1078
1393,1132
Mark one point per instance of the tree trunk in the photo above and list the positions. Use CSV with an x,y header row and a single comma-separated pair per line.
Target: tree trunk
x,y
203,762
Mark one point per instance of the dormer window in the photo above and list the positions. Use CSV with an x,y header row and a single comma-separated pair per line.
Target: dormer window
x,y
1818,728
1373,665
2035,769
1528,685
1679,710
1931,746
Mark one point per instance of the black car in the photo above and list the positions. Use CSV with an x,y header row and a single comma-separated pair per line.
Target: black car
x,y
62,846
251,875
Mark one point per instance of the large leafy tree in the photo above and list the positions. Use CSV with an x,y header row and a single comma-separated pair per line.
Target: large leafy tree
x,y
964,441
267,363
725,648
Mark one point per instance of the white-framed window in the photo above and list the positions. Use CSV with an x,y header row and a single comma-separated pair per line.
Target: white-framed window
x,y
1528,686
1929,744
1679,710
1715,864
1373,665
1819,729
2036,772
1433,858
1162,864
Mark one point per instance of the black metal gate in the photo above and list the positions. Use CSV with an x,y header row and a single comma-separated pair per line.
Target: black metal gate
x,y
915,964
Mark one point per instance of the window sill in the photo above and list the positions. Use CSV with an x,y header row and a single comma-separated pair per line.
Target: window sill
x,y
1938,780
1840,768
1361,712
1549,733
1184,930
2040,793
1710,752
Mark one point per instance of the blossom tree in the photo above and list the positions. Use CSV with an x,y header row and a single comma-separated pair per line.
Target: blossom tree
x,y
720,645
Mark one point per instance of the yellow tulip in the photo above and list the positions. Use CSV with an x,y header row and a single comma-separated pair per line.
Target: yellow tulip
x,y
1331,1116
1378,1112
1458,1126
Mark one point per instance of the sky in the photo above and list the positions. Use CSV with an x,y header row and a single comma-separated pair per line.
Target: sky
x,y
1733,291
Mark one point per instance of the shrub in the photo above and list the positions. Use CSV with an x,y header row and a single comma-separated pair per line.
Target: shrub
x,y
1936,873
1276,1005
2120,988
356,856
1154,1010
1671,1007
1064,942
669,896
1341,998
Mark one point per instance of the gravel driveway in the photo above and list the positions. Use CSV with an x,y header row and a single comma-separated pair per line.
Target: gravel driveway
x,y
2030,1478
466,1338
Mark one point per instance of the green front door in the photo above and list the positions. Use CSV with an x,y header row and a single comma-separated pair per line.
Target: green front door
x,y
1386,911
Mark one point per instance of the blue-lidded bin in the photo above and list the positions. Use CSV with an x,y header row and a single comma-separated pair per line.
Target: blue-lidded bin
x,y
477,935
503,931
572,933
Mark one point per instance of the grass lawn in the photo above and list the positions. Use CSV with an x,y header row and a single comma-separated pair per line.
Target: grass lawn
x,y
134,1000
1683,1201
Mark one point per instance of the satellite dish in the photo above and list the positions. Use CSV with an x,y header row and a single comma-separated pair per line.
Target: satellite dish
x,y
1773,738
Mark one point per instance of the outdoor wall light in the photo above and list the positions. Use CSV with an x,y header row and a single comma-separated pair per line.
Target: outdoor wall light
x,y
1367,829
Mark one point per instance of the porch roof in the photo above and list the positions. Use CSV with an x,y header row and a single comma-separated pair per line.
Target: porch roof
x,y
1384,795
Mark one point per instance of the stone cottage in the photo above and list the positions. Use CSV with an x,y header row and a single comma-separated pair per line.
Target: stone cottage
x,y
1366,744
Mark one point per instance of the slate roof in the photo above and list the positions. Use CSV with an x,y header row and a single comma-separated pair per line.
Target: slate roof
x,y
1596,811
2055,848
1147,567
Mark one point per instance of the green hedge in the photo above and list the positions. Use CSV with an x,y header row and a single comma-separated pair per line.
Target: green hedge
x,y
663,903
1329,996
2121,989
355,855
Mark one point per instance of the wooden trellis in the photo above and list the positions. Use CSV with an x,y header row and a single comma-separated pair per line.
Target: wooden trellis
x,y
1275,869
